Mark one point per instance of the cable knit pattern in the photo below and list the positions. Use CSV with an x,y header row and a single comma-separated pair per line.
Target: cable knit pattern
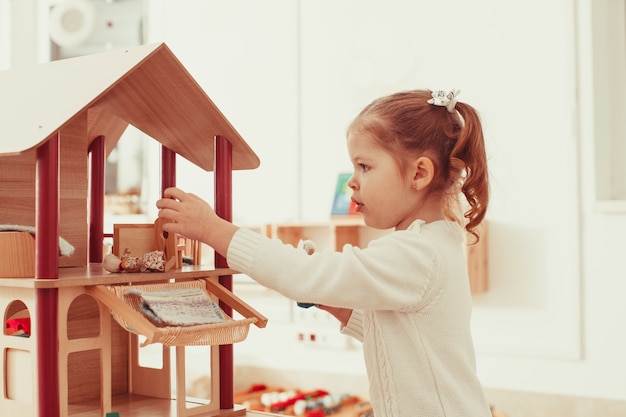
x,y
385,370
411,303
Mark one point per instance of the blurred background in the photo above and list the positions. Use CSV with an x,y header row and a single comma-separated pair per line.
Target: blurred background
x,y
549,80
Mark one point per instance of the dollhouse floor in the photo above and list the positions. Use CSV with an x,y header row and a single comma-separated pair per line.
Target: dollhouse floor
x,y
133,405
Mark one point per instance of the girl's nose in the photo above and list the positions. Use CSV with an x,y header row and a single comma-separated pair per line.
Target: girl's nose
x,y
352,183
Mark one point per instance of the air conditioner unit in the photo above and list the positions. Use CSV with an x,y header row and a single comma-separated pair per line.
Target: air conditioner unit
x,y
82,27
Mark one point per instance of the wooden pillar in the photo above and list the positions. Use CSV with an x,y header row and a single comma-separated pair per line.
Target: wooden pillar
x,y
47,267
96,197
168,168
222,168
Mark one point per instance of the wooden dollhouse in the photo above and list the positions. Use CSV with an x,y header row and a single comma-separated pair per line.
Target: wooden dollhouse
x,y
59,121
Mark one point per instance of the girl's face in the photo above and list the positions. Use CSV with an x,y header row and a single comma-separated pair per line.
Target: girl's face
x,y
383,194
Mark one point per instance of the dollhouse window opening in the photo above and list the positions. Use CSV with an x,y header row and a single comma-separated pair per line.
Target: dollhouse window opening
x,y
199,378
83,318
17,319
151,355
18,365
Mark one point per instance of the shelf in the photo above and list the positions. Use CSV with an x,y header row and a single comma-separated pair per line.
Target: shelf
x,y
95,274
133,405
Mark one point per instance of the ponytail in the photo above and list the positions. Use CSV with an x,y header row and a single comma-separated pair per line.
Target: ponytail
x,y
469,152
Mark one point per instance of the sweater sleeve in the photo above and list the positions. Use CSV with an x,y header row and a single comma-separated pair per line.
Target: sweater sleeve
x,y
242,250
398,268
354,327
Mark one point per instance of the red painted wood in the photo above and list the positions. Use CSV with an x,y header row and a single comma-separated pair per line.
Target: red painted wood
x,y
168,168
222,168
47,267
97,154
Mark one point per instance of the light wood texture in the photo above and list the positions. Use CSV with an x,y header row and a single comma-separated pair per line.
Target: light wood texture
x,y
168,243
101,122
73,189
18,361
149,381
134,405
138,238
84,350
184,408
17,180
18,254
346,235
156,382
119,91
235,302
86,356
193,248
128,312
290,234
140,323
94,274
145,86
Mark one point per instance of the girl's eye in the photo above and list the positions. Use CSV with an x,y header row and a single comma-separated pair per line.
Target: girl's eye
x,y
364,167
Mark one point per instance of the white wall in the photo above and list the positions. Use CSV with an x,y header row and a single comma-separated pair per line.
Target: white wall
x,y
5,27
517,63
291,75
244,54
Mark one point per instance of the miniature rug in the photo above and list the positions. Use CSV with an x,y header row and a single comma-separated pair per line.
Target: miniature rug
x,y
178,307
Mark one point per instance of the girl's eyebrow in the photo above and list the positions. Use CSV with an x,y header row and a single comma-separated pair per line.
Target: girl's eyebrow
x,y
362,158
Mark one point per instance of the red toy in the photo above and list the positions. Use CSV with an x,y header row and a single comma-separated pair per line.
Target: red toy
x,y
18,327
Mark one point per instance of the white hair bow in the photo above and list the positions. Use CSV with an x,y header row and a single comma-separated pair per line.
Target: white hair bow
x,y
447,99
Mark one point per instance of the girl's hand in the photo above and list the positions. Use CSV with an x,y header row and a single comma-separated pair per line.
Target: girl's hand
x,y
341,314
195,219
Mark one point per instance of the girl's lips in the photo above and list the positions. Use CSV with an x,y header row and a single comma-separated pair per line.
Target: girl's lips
x,y
357,206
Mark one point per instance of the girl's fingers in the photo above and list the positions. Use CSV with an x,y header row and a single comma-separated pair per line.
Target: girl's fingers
x,y
174,192
164,203
167,213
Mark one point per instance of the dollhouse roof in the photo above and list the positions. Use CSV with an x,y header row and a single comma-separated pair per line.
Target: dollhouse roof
x,y
144,86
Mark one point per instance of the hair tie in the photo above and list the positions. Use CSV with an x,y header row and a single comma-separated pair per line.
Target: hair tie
x,y
447,99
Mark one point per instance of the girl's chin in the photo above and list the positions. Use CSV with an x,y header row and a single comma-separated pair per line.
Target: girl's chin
x,y
371,222
368,220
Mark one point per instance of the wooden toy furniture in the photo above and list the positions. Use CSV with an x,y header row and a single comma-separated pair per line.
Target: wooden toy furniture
x,y
58,123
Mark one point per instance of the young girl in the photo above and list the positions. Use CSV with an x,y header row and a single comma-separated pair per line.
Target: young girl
x,y
418,157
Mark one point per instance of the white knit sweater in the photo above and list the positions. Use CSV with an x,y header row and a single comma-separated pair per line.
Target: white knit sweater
x,y
410,294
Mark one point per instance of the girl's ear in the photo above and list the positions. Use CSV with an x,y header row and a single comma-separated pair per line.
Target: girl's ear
x,y
423,173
